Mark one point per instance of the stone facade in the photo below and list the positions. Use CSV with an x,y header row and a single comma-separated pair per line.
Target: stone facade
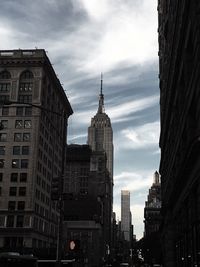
x,y
31,148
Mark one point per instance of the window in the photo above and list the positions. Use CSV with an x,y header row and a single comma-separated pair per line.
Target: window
x,y
4,98
26,87
25,150
5,111
15,163
28,111
2,162
26,75
3,137
1,176
5,75
4,87
11,205
27,124
26,137
20,221
14,177
10,221
19,111
17,137
24,163
18,124
2,150
22,191
16,150
23,177
4,124
25,98
21,205
13,191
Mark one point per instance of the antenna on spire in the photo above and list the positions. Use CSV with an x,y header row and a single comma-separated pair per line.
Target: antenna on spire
x,y
101,83
101,97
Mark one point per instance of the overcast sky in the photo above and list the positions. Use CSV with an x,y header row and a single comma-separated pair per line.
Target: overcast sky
x,y
84,38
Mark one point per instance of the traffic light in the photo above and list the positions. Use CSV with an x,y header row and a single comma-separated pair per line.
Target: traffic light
x,y
74,245
55,188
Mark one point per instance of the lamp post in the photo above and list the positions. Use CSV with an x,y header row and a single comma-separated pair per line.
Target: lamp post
x,y
60,199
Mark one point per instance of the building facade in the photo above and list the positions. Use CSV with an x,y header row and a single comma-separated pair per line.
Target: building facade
x,y
100,139
87,207
100,134
152,210
31,147
179,58
125,214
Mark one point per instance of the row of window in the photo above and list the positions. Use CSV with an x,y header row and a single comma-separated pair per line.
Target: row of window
x,y
11,221
18,137
19,124
21,98
15,177
20,111
25,75
16,163
14,191
12,205
17,150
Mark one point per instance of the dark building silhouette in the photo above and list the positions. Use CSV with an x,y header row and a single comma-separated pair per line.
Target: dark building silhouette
x,y
152,221
87,202
31,145
179,58
152,216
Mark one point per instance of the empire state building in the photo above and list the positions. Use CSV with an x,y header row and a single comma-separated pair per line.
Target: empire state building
x,y
100,134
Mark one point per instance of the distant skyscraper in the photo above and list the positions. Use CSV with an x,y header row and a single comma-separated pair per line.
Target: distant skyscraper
x,y
125,214
100,134
153,206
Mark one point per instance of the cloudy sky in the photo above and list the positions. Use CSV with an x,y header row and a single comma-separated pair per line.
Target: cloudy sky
x,y
84,38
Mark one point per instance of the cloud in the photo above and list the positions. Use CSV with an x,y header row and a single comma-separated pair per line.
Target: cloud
x,y
130,107
141,137
134,181
124,35
83,38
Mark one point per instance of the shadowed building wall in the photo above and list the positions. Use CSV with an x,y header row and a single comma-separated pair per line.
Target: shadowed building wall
x,y
179,60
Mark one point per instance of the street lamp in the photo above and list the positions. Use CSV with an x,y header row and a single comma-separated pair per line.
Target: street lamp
x,y
60,197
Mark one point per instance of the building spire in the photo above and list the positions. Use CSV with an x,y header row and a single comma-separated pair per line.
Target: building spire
x,y
101,83
101,97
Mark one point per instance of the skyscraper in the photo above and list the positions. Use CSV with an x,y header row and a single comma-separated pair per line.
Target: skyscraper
x,y
152,207
100,139
100,134
31,147
125,214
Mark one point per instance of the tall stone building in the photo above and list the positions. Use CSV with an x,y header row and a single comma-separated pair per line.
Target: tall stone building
x,y
100,139
179,59
100,134
31,148
125,214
